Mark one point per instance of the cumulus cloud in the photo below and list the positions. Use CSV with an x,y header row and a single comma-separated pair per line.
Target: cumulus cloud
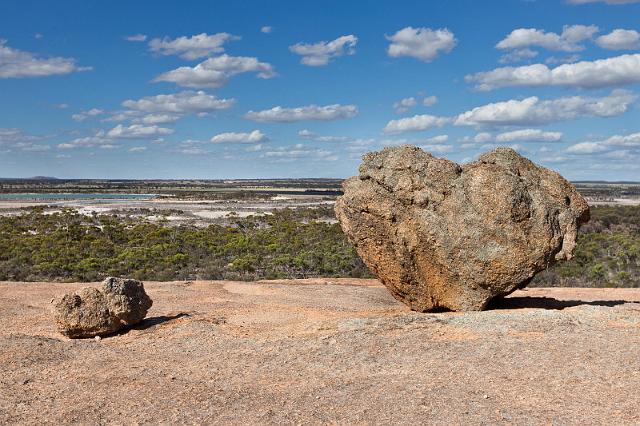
x,y
437,139
436,149
415,123
517,55
16,63
533,111
136,37
321,53
266,29
18,140
483,137
279,114
83,115
137,131
190,48
616,71
297,151
179,103
568,41
255,136
404,105
562,59
617,146
619,40
347,141
216,72
157,119
99,140
430,100
529,135
586,148
421,43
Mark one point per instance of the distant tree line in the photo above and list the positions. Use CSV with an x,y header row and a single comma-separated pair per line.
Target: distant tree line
x,y
68,246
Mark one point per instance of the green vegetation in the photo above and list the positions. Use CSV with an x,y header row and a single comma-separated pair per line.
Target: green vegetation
x,y
72,247
607,253
288,244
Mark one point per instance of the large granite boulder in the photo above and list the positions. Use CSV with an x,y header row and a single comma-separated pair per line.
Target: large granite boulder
x,y
91,312
444,236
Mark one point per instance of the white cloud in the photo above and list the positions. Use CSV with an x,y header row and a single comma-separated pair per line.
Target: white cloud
x,y
312,112
562,59
421,43
529,135
192,151
616,71
586,148
16,63
254,148
430,101
266,29
157,119
138,149
319,54
533,111
81,116
179,103
468,142
619,40
292,153
415,123
632,140
568,41
16,139
216,72
616,147
346,140
95,141
437,139
137,131
436,149
255,136
404,105
136,37
190,48
517,55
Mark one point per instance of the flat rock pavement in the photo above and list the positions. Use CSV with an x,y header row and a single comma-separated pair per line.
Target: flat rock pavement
x,y
324,351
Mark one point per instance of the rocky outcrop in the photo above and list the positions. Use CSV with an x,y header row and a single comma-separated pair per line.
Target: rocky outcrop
x,y
91,312
444,236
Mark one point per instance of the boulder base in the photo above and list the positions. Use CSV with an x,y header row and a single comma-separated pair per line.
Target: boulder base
x,y
444,236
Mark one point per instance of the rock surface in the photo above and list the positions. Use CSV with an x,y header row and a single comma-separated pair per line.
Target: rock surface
x,y
440,235
90,312
325,351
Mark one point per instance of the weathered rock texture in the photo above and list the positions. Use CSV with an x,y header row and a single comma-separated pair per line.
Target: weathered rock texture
x,y
440,235
90,312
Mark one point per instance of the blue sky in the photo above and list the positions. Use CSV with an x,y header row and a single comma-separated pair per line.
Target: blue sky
x,y
252,89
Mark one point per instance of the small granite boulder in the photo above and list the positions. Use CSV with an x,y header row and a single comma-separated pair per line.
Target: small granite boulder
x,y
90,312
444,236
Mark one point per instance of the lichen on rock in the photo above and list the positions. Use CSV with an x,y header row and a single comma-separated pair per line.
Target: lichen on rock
x,y
444,236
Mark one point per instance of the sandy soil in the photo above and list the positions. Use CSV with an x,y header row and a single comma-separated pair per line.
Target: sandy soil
x,y
325,351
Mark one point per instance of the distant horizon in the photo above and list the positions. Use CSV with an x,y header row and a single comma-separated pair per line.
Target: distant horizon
x,y
257,90
52,178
